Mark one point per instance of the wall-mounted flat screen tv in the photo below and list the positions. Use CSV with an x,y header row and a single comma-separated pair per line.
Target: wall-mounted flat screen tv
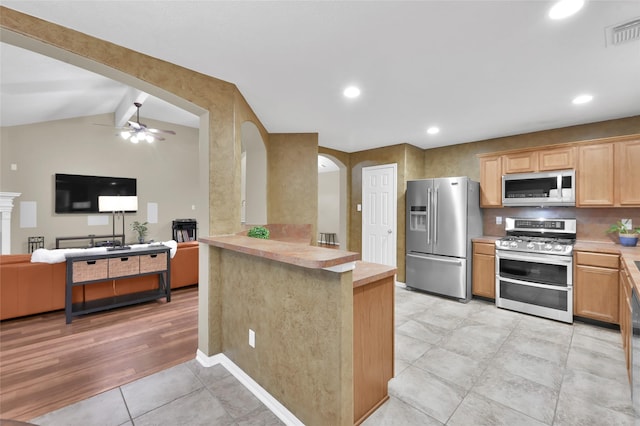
x,y
79,194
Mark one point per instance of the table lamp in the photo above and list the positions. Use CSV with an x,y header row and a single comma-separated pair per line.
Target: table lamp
x,y
117,204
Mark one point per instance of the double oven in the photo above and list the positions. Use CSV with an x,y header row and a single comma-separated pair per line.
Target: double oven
x,y
534,267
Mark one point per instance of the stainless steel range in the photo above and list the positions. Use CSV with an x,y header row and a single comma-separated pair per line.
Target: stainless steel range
x,y
534,267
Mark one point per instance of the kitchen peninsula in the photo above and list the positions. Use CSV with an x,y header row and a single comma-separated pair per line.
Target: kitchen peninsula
x,y
310,309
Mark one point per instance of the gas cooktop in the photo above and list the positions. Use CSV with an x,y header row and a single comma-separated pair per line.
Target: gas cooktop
x,y
552,236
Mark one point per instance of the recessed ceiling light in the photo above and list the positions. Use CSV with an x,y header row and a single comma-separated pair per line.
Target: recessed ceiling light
x,y
433,130
351,92
582,99
565,8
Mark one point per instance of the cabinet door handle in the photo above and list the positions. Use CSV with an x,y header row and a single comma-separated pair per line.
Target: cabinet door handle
x,y
91,262
153,255
124,259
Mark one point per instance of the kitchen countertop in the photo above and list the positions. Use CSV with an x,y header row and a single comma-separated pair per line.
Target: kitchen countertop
x,y
366,273
485,239
302,255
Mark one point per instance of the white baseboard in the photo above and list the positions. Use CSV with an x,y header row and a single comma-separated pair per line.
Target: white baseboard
x,y
269,401
400,284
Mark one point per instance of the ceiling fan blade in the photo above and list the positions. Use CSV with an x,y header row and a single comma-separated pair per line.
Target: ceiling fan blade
x,y
169,132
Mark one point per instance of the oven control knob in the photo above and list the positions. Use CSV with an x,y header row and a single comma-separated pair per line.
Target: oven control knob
x,y
505,244
558,247
514,244
548,247
531,246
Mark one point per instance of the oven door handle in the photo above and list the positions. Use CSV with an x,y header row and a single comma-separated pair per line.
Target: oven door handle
x,y
549,259
537,285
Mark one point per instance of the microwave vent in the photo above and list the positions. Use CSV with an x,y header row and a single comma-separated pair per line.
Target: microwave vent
x,y
624,33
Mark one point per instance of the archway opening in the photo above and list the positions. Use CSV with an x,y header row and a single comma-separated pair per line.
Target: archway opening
x,y
332,202
254,176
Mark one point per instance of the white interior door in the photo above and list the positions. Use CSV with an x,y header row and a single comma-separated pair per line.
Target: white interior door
x,y
379,211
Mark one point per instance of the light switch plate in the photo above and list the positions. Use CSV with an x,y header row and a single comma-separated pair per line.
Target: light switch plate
x,y
498,220
252,338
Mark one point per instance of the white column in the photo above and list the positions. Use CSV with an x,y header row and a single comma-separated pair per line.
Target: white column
x,y
6,206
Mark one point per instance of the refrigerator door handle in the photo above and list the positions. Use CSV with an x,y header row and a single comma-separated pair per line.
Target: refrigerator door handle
x,y
438,258
429,216
435,216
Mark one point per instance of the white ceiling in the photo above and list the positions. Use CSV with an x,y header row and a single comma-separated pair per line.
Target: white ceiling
x,y
476,69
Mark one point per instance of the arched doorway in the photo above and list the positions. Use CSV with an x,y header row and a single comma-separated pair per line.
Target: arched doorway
x,y
332,198
254,176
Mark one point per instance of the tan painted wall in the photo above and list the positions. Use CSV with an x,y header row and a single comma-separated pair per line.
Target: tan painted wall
x,y
303,320
165,173
387,155
292,179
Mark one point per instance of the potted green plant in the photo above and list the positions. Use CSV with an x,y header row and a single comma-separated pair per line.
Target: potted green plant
x,y
628,237
141,229
258,232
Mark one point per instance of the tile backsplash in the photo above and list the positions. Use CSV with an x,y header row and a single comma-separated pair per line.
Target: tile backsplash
x,y
592,224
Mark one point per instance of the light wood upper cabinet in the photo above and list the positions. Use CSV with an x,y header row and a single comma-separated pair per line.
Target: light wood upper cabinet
x,y
627,169
557,159
491,181
522,162
595,175
607,170
484,270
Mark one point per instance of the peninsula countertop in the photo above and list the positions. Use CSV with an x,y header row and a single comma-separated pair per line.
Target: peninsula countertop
x,y
302,255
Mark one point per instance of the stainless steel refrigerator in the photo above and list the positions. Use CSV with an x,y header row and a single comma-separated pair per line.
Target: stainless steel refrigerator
x,y
443,214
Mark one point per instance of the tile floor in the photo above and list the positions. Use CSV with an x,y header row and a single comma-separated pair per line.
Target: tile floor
x,y
456,364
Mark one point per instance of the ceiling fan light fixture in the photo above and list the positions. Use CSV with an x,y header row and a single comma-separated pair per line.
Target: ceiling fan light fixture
x,y
125,135
149,138
134,139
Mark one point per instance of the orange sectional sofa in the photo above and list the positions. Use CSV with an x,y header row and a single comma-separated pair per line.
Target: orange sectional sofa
x,y
28,288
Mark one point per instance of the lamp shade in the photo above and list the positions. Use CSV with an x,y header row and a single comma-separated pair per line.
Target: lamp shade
x,y
117,203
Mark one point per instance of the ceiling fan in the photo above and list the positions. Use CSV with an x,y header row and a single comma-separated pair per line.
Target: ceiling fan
x,y
136,131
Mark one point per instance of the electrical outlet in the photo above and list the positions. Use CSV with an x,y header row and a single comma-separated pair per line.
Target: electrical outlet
x,y
252,338
498,220
627,223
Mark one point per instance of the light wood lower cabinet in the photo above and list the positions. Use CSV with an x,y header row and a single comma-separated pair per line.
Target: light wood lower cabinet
x,y
596,287
373,345
484,270
626,325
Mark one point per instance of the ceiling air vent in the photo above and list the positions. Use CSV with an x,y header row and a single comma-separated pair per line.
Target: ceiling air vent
x,y
624,33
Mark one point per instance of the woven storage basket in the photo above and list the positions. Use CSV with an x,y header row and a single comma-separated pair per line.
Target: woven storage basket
x,y
153,262
90,270
122,266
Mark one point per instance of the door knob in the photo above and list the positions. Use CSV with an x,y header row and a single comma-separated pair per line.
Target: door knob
x,y
389,231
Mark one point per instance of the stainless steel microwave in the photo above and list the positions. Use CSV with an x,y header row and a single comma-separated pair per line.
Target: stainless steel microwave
x,y
555,188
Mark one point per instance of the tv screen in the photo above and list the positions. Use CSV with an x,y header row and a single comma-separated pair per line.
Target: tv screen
x,y
79,194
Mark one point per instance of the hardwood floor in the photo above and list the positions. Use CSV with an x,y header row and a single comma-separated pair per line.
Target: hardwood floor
x,y
46,364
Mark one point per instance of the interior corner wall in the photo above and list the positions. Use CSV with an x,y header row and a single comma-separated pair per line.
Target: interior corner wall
x,y
167,173
292,179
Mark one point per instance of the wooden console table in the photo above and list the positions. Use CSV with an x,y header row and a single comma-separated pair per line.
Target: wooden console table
x,y
86,269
